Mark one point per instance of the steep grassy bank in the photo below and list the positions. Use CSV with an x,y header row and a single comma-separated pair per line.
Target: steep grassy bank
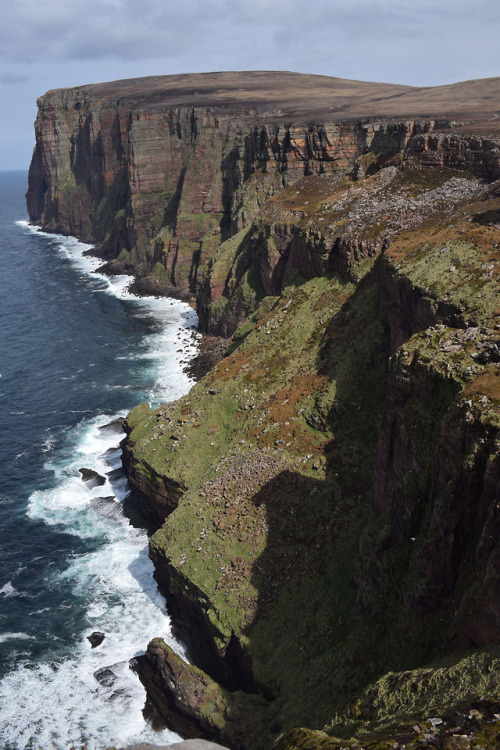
x,y
339,466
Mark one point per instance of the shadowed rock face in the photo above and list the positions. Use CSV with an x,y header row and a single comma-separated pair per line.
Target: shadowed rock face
x,y
327,495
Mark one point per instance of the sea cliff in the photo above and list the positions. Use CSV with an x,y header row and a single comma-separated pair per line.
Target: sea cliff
x,y
327,496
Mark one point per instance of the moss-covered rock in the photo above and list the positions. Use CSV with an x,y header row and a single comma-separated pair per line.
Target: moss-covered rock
x,y
331,485
191,702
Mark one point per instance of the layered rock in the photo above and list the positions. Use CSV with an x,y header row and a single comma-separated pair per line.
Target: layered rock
x,y
157,191
158,178
191,702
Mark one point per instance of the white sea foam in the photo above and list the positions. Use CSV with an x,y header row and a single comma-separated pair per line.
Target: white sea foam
x,y
67,704
8,590
62,705
177,320
69,700
48,444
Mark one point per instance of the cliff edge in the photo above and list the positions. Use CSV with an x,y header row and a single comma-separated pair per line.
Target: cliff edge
x,y
327,497
157,172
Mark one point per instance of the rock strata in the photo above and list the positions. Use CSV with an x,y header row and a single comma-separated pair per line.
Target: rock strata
x,y
181,693
158,180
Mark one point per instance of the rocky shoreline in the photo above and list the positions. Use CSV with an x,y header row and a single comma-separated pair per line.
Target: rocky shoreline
x,y
326,496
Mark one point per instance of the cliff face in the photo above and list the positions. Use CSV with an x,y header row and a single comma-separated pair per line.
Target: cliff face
x,y
327,495
158,191
159,185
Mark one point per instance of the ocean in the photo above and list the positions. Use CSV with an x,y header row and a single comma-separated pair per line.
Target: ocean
x,y
77,351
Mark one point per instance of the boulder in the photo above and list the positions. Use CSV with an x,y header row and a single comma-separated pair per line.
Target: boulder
x,y
96,638
92,478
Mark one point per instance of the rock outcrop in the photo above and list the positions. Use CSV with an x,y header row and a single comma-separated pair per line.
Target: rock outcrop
x,y
326,497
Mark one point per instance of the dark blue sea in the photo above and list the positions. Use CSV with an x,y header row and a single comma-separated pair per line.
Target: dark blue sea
x,y
77,351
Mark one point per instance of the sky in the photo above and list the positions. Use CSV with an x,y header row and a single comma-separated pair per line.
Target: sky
x,y
47,44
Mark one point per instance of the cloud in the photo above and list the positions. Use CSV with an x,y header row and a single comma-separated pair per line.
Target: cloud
x,y
52,30
12,77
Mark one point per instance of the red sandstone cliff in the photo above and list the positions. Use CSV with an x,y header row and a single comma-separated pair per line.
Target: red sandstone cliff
x,y
158,172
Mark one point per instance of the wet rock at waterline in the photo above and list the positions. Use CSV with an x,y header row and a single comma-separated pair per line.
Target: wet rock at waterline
x,y
91,478
113,427
96,638
105,677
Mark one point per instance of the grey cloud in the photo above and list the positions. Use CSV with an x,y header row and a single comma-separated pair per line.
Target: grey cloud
x,y
85,29
45,31
124,29
380,37
358,18
12,78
